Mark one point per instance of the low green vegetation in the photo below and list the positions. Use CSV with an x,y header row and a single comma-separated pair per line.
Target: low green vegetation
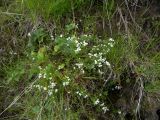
x,y
76,60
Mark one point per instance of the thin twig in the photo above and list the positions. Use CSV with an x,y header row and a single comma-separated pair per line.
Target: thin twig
x,y
123,20
109,77
8,13
134,21
27,89
140,97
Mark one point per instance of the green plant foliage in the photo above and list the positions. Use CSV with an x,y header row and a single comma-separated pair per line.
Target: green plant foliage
x,y
72,67
56,8
153,86
38,37
109,6
73,59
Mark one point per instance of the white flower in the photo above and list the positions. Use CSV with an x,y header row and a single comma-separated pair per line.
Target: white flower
x,y
52,37
96,102
77,50
76,41
80,94
60,67
44,76
82,71
100,54
102,60
68,78
40,67
99,65
85,96
50,93
95,55
69,38
100,72
67,108
118,87
61,35
52,85
44,88
95,62
119,112
85,43
65,83
102,104
39,75
110,44
111,39
90,55
80,65
78,45
107,63
56,90
107,50
77,92
29,34
105,109
39,87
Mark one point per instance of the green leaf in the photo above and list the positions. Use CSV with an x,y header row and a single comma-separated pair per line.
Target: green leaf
x,y
56,48
36,109
61,66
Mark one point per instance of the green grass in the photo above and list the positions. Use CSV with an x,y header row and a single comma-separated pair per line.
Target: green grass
x,y
53,8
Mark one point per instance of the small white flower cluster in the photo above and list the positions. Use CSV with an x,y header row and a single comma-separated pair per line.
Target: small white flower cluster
x,y
67,108
104,108
29,34
82,94
61,35
52,37
43,74
111,42
87,36
67,81
99,60
79,42
119,112
73,39
79,45
117,87
40,75
12,53
52,85
103,47
61,66
39,87
49,89
80,66
96,102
